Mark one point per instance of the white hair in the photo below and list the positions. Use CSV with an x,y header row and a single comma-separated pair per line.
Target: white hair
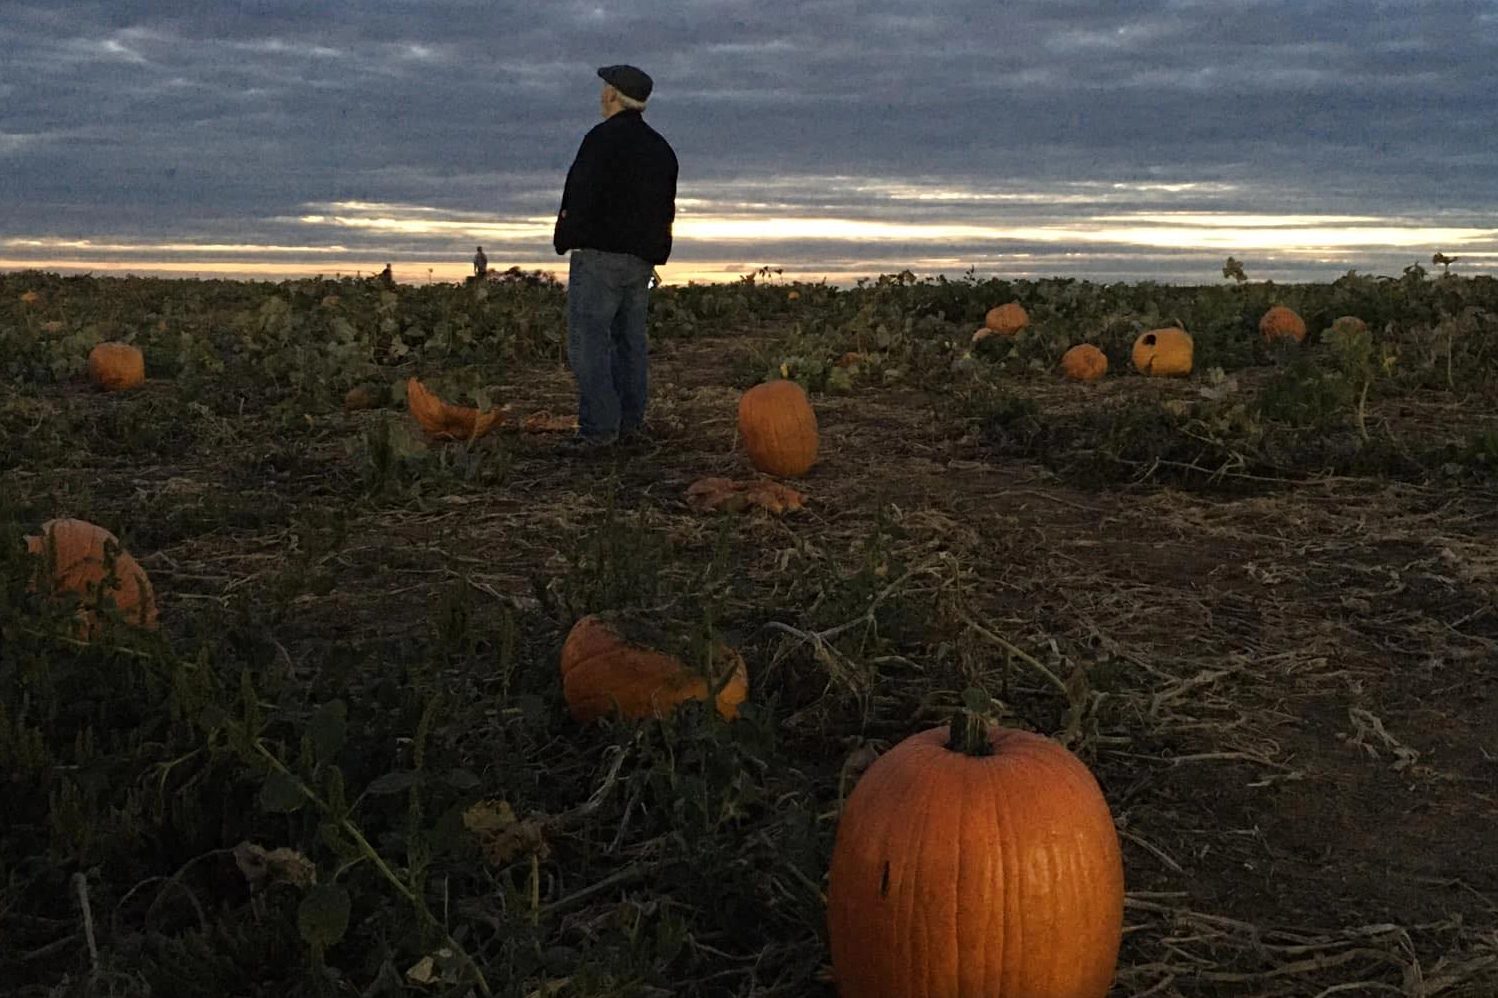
x,y
629,103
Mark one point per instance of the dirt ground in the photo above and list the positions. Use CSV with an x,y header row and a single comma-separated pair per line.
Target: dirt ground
x,y
1293,702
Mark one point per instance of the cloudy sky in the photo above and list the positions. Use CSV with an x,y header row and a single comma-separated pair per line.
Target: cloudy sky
x,y
1112,140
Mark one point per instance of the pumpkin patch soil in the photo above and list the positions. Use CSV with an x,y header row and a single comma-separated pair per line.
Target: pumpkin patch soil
x,y
1288,692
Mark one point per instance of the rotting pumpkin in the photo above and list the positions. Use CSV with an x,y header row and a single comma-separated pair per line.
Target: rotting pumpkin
x,y
1010,883
115,366
84,561
606,669
444,421
1164,353
779,428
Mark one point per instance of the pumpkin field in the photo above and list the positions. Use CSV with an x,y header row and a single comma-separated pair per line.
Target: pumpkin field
x,y
302,727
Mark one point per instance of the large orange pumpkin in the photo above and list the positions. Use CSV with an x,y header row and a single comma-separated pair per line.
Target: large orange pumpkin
x,y
1084,362
958,875
444,421
606,671
1007,319
779,428
1281,323
114,366
86,560
1164,353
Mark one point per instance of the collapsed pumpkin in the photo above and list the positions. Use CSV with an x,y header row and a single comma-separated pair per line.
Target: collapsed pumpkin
x,y
115,366
444,421
609,666
1281,323
779,428
1084,362
991,868
727,494
83,561
1164,353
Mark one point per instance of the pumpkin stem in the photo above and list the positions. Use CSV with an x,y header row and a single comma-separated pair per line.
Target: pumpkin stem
x,y
970,726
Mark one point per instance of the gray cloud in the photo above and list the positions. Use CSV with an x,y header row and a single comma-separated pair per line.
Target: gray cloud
x,y
140,123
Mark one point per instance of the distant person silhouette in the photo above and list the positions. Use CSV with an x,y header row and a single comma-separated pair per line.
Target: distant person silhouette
x,y
480,264
386,277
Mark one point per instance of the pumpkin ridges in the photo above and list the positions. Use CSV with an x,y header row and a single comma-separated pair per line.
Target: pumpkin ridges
x,y
779,428
966,840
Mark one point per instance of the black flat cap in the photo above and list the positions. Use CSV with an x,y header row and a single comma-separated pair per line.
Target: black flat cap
x,y
628,80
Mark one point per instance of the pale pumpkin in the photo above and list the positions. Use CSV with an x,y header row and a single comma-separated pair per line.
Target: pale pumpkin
x,y
81,559
1164,353
607,669
779,428
1084,362
959,874
1007,319
115,366
1281,323
444,421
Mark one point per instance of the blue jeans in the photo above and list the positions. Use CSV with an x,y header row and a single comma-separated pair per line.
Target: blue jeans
x,y
607,299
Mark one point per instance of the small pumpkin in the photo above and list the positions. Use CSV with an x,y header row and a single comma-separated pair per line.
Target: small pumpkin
x,y
1007,319
986,866
1281,323
359,397
1164,353
779,428
115,366
609,665
444,421
1347,329
86,560
1084,362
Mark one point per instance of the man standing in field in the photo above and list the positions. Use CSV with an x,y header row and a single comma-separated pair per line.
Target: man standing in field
x,y
617,209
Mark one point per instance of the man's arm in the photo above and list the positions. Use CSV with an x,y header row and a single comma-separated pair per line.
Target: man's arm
x,y
586,180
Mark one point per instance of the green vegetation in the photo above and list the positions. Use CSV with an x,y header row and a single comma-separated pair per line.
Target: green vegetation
x,y
1256,601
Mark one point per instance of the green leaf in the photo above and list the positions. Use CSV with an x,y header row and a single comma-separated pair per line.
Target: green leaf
x,y
328,729
281,793
322,917
395,782
462,779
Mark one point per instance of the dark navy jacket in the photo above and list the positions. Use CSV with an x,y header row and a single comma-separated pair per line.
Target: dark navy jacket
x,y
621,191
